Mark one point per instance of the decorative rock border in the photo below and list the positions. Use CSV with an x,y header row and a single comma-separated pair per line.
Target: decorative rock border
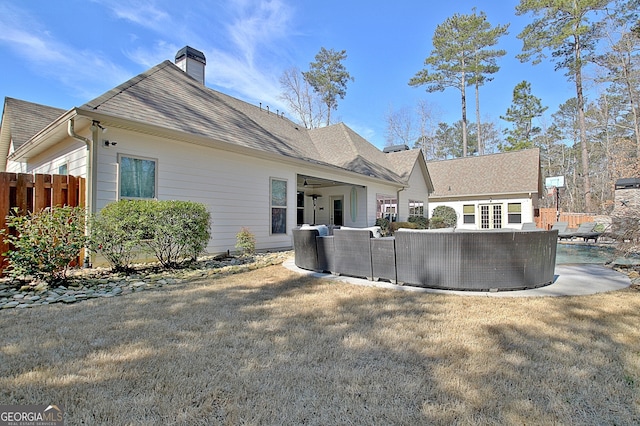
x,y
100,283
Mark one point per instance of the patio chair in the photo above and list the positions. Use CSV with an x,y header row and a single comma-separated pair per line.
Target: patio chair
x,y
586,232
562,228
529,226
352,252
305,248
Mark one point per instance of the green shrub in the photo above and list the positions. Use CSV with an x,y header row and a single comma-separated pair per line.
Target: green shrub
x,y
437,223
397,225
45,243
245,242
171,230
116,231
448,216
175,230
420,221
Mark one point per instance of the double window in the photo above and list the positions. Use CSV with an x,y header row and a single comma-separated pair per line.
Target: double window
x,y
387,207
416,208
138,177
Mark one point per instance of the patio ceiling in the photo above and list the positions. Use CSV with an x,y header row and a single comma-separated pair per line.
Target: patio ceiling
x,y
312,182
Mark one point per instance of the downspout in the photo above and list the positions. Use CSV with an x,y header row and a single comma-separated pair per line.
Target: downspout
x,y
89,180
398,201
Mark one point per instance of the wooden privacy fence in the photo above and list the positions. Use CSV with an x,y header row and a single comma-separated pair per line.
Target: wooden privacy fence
x,y
548,217
34,192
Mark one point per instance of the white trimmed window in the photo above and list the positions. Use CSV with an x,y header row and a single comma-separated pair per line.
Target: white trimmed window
x,y
138,177
514,213
278,191
469,214
387,207
416,208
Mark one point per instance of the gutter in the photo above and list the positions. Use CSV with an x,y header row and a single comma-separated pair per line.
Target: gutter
x,y
398,201
89,176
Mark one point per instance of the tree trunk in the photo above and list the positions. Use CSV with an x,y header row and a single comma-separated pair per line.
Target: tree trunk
x,y
463,89
584,148
479,125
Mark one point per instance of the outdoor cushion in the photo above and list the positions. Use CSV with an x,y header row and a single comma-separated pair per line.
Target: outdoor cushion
x,y
375,230
323,231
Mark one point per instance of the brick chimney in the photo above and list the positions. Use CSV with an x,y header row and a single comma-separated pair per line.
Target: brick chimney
x,y
192,62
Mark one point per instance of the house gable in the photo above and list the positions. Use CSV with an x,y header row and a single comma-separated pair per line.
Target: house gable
x,y
515,172
405,163
341,146
490,191
21,120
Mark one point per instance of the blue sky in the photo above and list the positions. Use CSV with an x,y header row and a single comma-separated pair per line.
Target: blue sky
x,y
64,53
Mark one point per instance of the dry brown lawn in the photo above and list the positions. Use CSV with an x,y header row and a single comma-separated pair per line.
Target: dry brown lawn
x,y
272,347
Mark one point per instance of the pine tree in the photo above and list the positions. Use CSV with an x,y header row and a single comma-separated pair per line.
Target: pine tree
x,y
459,58
329,77
569,29
524,108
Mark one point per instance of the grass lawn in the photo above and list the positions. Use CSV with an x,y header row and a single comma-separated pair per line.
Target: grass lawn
x,y
272,347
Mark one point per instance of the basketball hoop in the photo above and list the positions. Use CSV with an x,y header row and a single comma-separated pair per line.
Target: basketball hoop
x,y
551,191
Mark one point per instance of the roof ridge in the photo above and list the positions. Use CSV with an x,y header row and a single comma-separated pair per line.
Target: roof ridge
x,y
9,99
492,154
121,88
345,129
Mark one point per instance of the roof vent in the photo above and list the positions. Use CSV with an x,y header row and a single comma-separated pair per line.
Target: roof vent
x,y
395,148
192,62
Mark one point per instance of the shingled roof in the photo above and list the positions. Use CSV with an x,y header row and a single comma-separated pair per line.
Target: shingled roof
x,y
341,146
167,97
513,172
25,119
21,120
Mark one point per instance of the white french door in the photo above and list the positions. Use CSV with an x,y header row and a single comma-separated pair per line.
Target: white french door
x,y
490,216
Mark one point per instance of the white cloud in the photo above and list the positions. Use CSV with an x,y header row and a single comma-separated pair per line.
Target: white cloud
x,y
140,12
258,24
48,56
150,56
242,40
246,43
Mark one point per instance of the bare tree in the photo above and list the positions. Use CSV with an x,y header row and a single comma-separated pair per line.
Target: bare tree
x,y
400,127
621,63
428,118
304,103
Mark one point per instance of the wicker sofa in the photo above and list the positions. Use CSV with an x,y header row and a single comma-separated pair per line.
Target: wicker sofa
x,y
486,260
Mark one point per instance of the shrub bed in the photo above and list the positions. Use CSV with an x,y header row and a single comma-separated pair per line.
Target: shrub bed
x,y
173,231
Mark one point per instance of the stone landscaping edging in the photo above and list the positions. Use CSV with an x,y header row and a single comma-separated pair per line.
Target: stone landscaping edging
x,y
101,283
